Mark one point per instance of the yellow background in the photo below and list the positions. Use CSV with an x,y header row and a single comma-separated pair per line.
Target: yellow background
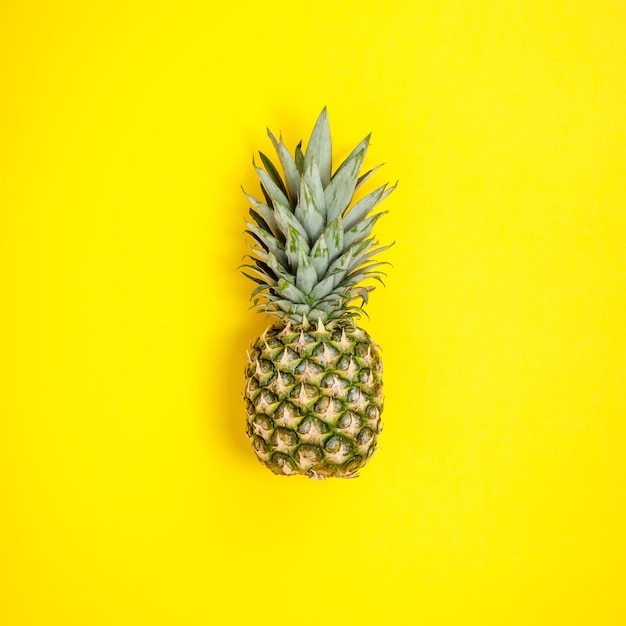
x,y
128,491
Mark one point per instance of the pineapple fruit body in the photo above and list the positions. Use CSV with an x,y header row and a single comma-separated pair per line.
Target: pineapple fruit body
x,y
314,399
313,379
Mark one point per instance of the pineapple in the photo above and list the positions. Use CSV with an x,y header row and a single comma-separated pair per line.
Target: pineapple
x,y
313,378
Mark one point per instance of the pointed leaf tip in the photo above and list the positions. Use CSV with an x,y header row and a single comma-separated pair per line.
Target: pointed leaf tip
x,y
319,147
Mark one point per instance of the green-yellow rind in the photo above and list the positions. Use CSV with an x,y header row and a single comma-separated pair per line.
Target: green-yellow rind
x,y
314,399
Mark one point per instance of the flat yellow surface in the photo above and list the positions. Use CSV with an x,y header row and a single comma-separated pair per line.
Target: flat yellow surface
x,y
128,490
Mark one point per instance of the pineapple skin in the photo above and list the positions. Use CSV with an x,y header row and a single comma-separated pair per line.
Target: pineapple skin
x,y
314,398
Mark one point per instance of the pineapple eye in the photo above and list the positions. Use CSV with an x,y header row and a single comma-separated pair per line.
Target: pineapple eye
x,y
265,366
336,335
303,340
273,342
333,444
352,395
364,436
344,363
284,463
284,436
349,420
325,353
322,404
365,375
362,349
263,421
345,420
305,426
260,445
352,466
372,412
312,426
313,370
287,379
338,444
308,370
266,397
308,454
304,392
286,357
328,381
286,414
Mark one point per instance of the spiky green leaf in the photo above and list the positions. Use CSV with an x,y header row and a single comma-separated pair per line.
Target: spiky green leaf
x,y
323,288
366,176
306,276
271,169
319,148
290,291
286,220
294,245
363,207
334,235
271,188
310,210
287,162
340,190
267,241
265,212
279,268
362,230
299,157
258,281
320,256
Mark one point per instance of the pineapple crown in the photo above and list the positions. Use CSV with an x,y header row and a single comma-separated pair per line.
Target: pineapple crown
x,y
311,250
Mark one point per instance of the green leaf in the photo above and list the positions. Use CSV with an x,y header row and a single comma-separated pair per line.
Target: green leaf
x,y
266,213
361,259
287,220
339,192
323,288
273,190
319,147
287,306
363,293
366,176
295,244
339,268
320,256
266,241
368,271
290,291
273,172
261,223
279,269
362,230
333,233
255,279
287,162
306,276
299,158
262,274
368,254
310,210
360,210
